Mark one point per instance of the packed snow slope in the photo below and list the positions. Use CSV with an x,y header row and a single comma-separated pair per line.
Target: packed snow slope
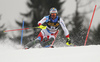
x,y
64,54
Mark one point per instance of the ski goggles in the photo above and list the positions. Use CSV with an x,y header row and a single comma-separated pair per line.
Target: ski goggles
x,y
53,14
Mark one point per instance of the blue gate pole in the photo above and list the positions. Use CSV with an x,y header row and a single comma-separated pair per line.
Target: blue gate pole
x,y
22,32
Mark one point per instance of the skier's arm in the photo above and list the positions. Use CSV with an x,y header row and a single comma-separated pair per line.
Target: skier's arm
x,y
66,32
42,21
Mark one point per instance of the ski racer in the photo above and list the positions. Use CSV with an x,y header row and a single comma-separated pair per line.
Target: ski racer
x,y
47,36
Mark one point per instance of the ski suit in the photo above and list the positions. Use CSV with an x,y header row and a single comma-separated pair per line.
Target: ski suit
x,y
52,27
50,32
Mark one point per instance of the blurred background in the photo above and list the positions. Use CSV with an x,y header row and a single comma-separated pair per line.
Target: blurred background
x,y
76,14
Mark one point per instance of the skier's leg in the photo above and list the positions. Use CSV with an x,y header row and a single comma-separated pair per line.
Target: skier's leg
x,y
49,42
30,44
54,37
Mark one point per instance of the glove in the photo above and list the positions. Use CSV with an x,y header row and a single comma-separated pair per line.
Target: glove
x,y
68,42
41,26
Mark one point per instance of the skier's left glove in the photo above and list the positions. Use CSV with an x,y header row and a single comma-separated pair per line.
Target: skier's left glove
x,y
68,42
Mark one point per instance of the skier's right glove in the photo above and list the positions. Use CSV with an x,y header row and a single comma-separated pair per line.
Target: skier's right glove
x,y
41,26
68,42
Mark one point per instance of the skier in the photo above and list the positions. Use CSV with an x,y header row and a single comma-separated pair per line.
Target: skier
x,y
47,36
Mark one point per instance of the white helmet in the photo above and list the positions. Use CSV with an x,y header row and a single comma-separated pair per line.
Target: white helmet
x,y
53,10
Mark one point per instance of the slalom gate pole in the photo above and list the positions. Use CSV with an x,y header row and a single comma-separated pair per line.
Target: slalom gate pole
x,y
90,25
22,33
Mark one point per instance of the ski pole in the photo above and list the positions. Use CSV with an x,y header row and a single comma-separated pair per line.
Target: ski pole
x,y
41,27
54,39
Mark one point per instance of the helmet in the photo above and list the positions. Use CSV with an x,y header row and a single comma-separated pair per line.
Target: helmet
x,y
53,10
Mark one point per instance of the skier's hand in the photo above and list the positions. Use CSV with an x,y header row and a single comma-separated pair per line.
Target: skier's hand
x,y
42,27
68,42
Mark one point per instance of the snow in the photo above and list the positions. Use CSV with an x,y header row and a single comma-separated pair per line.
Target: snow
x,y
90,53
